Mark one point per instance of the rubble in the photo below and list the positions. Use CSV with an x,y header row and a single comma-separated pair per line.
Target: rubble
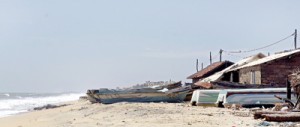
x,y
48,106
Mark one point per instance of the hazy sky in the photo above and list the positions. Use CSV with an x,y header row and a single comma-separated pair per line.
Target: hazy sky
x,y
74,45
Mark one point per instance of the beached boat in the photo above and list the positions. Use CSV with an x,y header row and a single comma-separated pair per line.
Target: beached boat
x,y
251,97
107,96
205,97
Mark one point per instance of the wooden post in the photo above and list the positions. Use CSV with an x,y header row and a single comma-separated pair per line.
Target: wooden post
x,y
197,65
295,38
288,89
221,55
297,105
210,59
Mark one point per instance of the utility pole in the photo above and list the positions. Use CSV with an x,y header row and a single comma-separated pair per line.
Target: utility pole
x,y
201,66
288,89
221,51
210,59
295,38
197,65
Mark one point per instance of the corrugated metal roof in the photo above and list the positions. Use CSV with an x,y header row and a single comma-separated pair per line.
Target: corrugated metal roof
x,y
248,62
267,59
208,69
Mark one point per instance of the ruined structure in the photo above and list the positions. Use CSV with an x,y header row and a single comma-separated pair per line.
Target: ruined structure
x,y
295,84
259,69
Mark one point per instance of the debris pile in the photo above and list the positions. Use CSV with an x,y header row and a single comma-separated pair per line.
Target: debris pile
x,y
286,112
278,116
49,106
295,84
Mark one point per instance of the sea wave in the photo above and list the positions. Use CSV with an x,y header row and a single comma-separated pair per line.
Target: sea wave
x,y
23,104
4,95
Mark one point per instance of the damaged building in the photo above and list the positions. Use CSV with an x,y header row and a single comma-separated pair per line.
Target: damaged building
x,y
259,69
209,70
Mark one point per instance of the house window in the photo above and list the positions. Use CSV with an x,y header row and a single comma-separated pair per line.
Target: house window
x,y
252,77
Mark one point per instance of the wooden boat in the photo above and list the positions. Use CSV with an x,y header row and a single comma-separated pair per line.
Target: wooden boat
x,y
251,97
205,97
107,96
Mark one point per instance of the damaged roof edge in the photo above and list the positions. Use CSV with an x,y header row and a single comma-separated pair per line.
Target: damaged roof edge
x,y
217,76
209,69
268,59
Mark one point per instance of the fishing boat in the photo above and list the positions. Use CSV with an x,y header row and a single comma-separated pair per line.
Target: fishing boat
x,y
205,97
107,96
251,97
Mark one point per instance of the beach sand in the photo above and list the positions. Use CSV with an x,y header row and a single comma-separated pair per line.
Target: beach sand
x,y
84,114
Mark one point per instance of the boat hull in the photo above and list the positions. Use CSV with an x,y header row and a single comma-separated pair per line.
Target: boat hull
x,y
205,97
137,97
251,97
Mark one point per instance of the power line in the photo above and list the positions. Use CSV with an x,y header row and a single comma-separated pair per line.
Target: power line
x,y
214,57
246,51
230,54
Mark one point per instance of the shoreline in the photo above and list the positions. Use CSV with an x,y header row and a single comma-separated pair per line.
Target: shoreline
x,y
32,110
82,113
18,103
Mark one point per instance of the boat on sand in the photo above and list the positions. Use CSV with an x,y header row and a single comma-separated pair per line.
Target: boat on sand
x,y
107,96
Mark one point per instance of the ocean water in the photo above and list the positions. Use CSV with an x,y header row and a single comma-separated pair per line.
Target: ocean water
x,y
14,103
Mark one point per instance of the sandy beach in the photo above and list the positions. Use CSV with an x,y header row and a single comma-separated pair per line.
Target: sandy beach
x,y
84,114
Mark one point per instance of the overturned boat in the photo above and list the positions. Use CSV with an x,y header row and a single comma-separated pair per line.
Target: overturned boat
x,y
252,97
240,97
107,96
205,97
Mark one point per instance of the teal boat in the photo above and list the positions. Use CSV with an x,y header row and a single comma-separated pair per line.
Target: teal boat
x,y
205,97
252,97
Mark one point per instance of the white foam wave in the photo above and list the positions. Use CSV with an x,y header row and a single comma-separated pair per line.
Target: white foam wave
x,y
13,106
10,112
19,97
6,94
4,106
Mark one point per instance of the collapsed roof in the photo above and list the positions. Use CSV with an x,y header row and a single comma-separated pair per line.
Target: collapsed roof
x,y
248,62
210,69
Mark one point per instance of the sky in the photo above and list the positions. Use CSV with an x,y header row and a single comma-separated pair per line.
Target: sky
x,y
75,45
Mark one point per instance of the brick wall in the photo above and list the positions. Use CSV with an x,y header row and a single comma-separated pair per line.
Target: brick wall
x,y
245,75
275,72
